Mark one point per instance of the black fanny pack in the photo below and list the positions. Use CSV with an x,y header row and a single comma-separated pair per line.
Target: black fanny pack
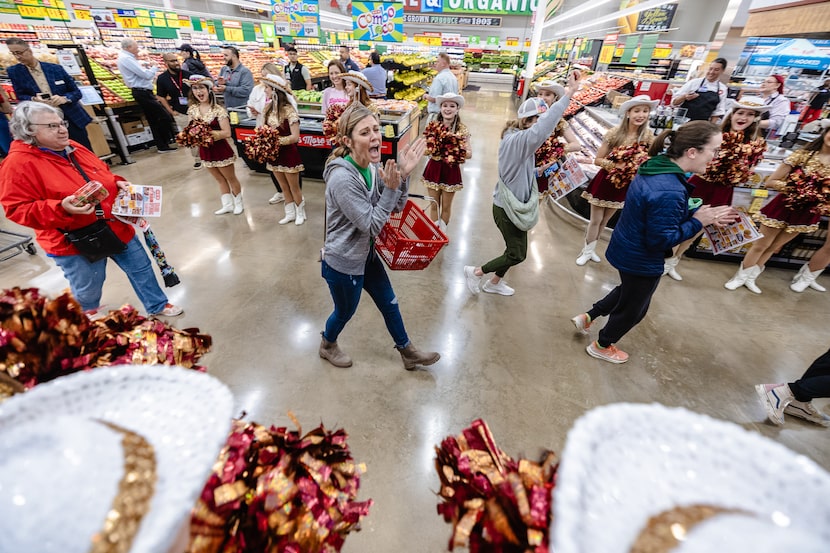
x,y
95,241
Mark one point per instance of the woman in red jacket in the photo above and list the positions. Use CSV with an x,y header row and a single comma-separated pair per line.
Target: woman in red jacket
x,y
38,182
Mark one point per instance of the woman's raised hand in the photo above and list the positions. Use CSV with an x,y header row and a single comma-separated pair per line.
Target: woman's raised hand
x,y
572,84
411,155
390,174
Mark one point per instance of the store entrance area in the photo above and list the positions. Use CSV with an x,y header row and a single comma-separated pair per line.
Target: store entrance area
x,y
255,286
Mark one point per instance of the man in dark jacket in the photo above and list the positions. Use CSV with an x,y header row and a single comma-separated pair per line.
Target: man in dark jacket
x,y
51,84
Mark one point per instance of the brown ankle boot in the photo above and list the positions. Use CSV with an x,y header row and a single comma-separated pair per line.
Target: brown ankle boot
x,y
412,357
333,354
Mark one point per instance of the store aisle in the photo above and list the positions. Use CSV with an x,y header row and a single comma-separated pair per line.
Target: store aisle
x,y
255,286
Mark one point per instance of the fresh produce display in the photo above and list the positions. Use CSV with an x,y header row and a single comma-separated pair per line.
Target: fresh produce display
x,y
411,93
397,106
592,94
113,88
309,96
491,63
409,60
411,77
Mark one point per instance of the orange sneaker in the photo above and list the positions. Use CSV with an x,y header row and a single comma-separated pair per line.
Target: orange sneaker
x,y
610,354
582,322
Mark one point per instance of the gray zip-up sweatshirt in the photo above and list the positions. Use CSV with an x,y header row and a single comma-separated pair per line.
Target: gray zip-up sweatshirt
x,y
517,162
355,215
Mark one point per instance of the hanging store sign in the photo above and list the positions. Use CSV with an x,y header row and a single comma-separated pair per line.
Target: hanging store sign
x,y
656,19
268,33
143,17
505,7
297,18
459,20
232,31
103,18
377,21
500,7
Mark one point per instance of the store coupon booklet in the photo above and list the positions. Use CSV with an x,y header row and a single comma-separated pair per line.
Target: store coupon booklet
x,y
139,200
569,177
732,236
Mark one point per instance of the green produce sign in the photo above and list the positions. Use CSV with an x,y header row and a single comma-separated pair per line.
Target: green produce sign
x,y
492,41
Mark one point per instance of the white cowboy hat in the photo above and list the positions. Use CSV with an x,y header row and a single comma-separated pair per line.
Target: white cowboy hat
x,y
554,87
624,465
531,108
755,103
199,79
450,97
641,100
116,454
358,78
278,83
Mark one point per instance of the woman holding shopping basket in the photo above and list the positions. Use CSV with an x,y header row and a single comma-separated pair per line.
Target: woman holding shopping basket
x,y
515,201
361,193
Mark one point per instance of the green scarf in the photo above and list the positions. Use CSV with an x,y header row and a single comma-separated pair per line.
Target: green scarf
x,y
660,165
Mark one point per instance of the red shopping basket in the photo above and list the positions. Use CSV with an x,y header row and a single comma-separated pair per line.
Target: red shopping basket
x,y
409,241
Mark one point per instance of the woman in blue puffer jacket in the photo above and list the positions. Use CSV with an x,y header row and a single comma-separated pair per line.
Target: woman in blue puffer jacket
x,y
657,216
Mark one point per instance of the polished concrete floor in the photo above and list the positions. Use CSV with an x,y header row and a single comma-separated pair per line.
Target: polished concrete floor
x,y
516,362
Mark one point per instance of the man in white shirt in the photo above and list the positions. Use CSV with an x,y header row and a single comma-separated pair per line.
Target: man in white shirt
x,y
139,77
443,83
704,98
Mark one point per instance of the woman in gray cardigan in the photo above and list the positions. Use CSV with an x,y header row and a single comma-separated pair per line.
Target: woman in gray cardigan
x,y
361,193
516,199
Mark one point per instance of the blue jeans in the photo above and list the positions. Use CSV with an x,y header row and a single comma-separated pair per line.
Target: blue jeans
x,y
345,292
87,279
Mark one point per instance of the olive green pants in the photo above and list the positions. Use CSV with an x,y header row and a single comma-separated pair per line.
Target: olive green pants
x,y
515,245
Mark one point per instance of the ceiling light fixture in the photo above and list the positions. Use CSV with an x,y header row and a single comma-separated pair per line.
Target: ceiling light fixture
x,y
588,6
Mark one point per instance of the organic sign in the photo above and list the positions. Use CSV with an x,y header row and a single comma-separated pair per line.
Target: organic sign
x,y
298,18
656,19
377,21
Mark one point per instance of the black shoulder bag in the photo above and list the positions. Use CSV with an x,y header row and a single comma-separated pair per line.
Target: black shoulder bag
x,y
95,241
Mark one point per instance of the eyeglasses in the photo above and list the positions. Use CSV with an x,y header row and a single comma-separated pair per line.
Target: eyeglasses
x,y
53,126
20,53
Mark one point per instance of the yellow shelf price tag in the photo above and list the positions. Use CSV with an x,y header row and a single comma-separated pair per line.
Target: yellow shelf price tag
x,y
144,21
159,22
234,35
31,12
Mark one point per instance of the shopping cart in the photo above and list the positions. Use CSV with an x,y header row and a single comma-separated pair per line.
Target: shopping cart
x,y
409,241
12,243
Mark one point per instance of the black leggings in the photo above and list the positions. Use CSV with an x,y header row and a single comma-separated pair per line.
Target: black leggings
x,y
815,382
626,305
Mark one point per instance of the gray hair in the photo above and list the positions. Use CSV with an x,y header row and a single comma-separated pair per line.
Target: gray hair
x,y
21,121
127,43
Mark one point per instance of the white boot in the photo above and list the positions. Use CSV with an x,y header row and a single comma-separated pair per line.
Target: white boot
x,y
237,204
587,254
300,213
670,267
594,256
754,272
805,278
227,205
290,213
738,280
